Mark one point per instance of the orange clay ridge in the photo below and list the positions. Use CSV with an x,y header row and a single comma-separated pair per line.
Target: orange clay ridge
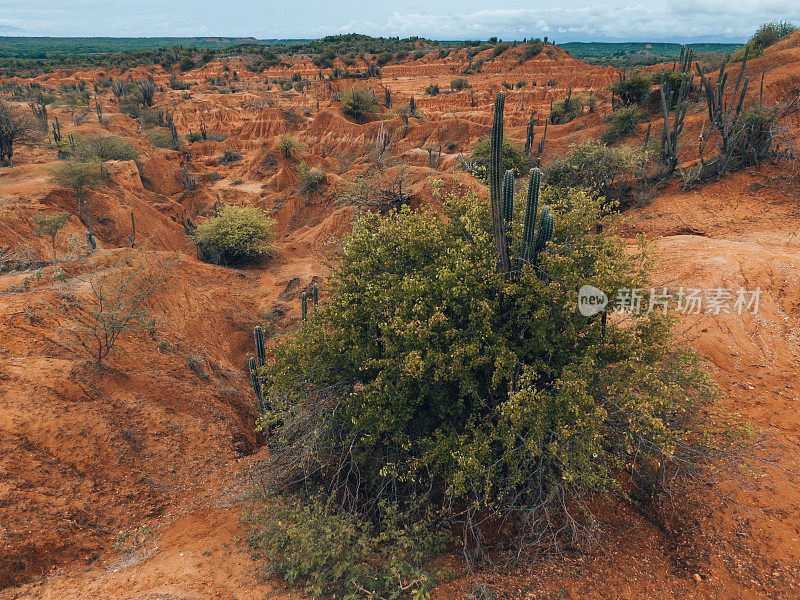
x,y
124,482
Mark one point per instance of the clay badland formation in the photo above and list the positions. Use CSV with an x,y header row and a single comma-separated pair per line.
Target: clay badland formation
x,y
123,481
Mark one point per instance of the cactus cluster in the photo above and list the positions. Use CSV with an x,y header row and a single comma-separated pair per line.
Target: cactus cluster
x,y
529,135
495,189
534,240
259,360
508,197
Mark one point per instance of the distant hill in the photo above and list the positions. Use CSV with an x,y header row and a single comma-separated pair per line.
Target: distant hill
x,y
53,47
637,53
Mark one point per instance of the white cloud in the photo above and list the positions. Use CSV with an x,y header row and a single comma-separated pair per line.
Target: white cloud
x,y
446,19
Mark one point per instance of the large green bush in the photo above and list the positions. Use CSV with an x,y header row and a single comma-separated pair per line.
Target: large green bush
x,y
593,166
764,37
358,103
512,157
571,107
633,89
332,552
623,122
105,147
428,377
236,235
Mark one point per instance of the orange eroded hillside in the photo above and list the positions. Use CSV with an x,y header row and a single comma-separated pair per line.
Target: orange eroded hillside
x,y
162,436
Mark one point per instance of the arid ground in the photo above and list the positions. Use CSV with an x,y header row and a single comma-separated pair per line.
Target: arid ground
x,y
124,481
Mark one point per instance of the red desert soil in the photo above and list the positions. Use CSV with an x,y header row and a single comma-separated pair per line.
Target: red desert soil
x,y
124,482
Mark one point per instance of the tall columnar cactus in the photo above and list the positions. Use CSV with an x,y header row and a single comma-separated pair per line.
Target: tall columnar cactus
x,y
529,135
261,354
531,208
508,197
90,239
545,232
495,189
315,294
255,381
304,305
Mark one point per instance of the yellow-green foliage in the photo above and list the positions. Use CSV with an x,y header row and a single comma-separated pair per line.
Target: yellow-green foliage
x,y
592,165
623,122
511,156
236,236
313,544
105,147
289,146
431,375
358,103
565,110
77,175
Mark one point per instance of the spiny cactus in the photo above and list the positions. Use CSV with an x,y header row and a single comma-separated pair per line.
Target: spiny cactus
x,y
132,236
256,383
508,197
57,132
315,294
531,208
495,190
541,144
529,135
304,305
89,234
545,232
261,354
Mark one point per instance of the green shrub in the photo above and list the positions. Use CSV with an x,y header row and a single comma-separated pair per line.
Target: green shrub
x,y
333,553
432,89
358,103
769,33
311,178
216,136
569,108
383,58
459,83
751,49
194,136
161,138
229,156
511,155
633,90
499,48
177,84
237,235
105,147
623,122
593,166
187,64
436,381
289,146
764,37
752,137
532,49
78,176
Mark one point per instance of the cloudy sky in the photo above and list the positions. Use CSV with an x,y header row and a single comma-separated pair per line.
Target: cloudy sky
x,y
566,20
